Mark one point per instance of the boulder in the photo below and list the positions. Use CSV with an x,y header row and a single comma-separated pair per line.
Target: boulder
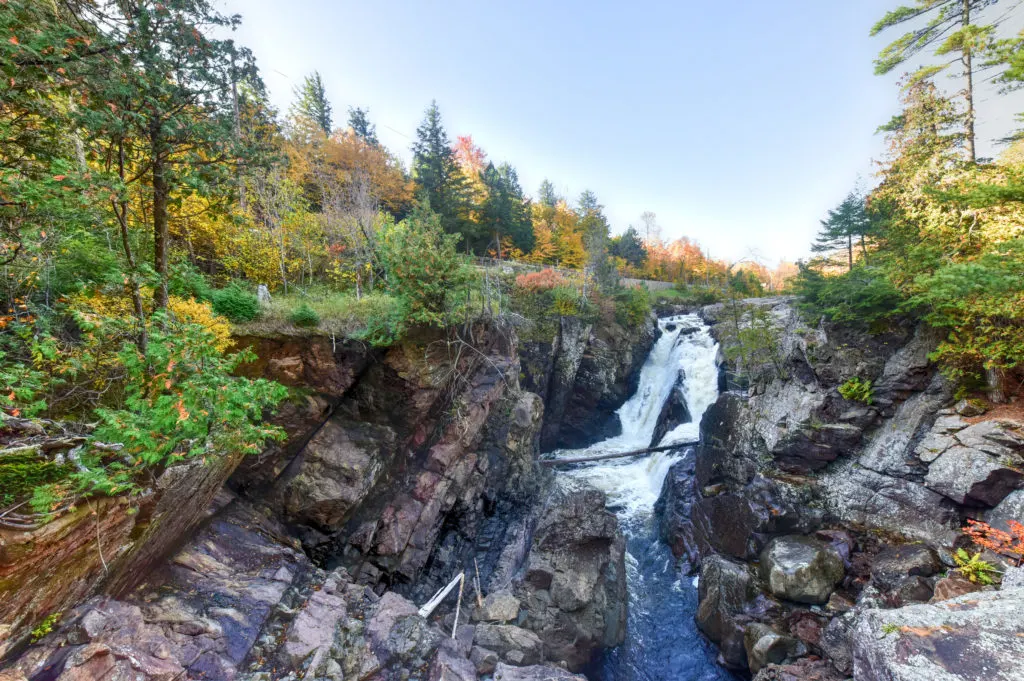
x,y
895,563
972,477
766,646
514,644
801,569
484,660
674,413
952,587
498,607
727,595
836,645
859,496
1010,508
975,637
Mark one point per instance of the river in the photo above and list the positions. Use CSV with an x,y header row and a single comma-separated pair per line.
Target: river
x,y
662,640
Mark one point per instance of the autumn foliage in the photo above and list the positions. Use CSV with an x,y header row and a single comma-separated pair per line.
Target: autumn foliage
x,y
1008,544
544,280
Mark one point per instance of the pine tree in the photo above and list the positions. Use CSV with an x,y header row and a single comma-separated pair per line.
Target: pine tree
x,y
311,102
362,127
595,229
629,246
847,223
441,181
547,196
946,27
505,210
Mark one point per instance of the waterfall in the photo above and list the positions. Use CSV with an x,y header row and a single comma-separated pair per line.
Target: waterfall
x,y
662,641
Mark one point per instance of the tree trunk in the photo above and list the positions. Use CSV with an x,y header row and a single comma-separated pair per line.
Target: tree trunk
x,y
160,197
968,60
864,249
849,249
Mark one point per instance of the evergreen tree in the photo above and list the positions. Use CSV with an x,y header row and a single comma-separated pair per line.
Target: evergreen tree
x,y
441,181
311,102
595,229
629,246
547,196
362,127
182,130
847,223
947,27
505,210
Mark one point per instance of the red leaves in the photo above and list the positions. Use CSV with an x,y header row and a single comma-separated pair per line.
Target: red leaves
x,y
14,40
1009,544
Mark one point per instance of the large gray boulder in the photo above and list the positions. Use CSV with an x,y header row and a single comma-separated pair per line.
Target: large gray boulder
x,y
801,569
894,564
977,637
504,672
983,467
766,646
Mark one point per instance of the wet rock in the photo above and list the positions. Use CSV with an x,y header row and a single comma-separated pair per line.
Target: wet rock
x,y
727,596
673,413
498,607
977,636
514,644
504,672
766,646
801,569
811,447
806,669
895,563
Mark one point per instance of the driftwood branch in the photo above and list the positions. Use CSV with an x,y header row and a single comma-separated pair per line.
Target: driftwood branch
x,y
615,455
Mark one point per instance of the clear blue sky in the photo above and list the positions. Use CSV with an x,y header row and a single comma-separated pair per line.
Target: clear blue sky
x,y
738,123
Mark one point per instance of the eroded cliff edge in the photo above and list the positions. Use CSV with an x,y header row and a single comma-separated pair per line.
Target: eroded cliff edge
x,y
401,469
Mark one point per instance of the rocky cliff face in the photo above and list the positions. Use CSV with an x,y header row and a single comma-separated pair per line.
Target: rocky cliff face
x,y
819,523
402,468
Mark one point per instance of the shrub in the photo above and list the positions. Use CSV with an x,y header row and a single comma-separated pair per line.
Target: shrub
x,y
544,280
186,281
565,301
632,306
236,304
424,267
981,304
857,390
863,296
305,316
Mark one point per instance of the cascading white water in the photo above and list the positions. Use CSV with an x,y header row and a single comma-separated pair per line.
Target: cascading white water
x,y
662,642
685,349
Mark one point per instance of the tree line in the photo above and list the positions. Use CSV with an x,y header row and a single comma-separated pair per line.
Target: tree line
x,y
940,237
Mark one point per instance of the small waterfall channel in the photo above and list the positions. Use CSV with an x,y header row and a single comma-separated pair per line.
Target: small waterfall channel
x,y
662,640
